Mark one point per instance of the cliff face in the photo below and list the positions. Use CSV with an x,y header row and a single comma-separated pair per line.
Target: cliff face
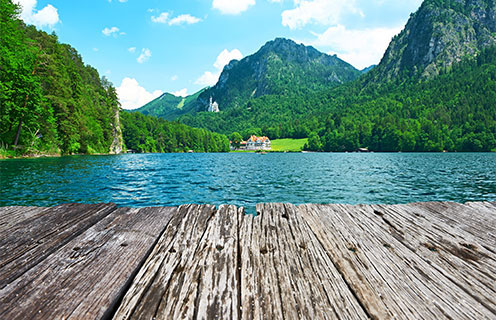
x,y
117,142
439,34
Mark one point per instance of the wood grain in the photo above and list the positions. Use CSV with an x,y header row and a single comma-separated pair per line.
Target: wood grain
x,y
87,277
433,260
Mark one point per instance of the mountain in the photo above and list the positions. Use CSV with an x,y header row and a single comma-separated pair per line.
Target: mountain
x,y
280,67
169,106
439,34
433,90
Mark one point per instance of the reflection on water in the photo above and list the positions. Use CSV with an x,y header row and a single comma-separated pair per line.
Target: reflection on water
x,y
246,179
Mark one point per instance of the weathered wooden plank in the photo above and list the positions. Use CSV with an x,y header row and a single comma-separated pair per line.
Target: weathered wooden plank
x,y
451,251
389,280
86,278
27,243
468,219
10,216
286,273
216,268
167,287
484,212
417,261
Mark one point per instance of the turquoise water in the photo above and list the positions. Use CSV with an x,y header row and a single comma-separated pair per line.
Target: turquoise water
x,y
247,179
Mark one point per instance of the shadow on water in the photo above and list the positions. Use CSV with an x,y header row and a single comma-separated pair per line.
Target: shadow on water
x,y
247,179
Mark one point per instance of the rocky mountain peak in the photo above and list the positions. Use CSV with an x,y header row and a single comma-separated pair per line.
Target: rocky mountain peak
x,y
439,34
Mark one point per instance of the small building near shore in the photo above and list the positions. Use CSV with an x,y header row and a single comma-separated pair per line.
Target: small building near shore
x,y
258,143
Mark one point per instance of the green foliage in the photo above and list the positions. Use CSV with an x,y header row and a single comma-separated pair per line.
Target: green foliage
x,y
236,139
150,134
47,93
452,112
281,67
20,92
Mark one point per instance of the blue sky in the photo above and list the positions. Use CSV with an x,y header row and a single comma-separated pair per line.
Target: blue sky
x,y
147,47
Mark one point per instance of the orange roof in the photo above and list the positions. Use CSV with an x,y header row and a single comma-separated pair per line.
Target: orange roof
x,y
255,138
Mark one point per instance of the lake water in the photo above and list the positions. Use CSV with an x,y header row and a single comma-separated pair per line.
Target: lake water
x,y
245,179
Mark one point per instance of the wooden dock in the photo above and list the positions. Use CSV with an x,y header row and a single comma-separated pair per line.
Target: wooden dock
x,y
416,261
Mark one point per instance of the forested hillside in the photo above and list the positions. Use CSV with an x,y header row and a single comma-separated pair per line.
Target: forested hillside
x,y
51,102
455,111
150,134
169,106
434,90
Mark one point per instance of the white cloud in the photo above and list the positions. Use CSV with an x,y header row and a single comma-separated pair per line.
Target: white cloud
x,y
162,18
210,78
225,57
110,31
144,56
174,77
95,49
184,19
48,16
132,49
325,12
232,6
132,95
360,47
181,93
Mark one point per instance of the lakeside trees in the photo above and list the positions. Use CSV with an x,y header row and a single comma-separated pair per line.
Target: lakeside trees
x,y
454,111
50,100
150,134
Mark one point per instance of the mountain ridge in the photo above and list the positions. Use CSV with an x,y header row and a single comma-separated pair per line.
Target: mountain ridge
x,y
278,67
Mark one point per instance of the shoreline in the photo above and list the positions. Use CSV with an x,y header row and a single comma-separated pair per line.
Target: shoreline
x,y
39,156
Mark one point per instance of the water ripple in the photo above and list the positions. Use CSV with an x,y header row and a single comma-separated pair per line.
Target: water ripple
x,y
246,179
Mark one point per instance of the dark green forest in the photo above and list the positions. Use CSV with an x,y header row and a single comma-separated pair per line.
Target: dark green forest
x,y
434,90
150,134
51,102
455,111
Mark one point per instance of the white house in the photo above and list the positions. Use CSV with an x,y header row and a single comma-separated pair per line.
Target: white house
x,y
258,143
